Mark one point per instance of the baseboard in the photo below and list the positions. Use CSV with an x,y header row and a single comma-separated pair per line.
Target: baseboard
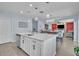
x,y
7,41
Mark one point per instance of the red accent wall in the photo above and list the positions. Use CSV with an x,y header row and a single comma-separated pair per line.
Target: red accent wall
x,y
69,26
54,27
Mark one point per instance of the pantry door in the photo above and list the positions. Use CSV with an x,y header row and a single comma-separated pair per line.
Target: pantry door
x,y
5,30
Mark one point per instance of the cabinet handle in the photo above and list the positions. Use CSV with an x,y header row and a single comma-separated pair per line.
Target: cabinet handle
x,y
33,47
23,41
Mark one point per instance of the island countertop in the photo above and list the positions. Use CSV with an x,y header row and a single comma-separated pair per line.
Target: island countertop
x,y
39,36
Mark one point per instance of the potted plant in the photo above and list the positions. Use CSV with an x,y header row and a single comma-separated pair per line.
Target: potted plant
x,y
76,50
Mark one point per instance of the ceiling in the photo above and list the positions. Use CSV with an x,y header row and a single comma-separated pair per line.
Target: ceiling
x,y
55,9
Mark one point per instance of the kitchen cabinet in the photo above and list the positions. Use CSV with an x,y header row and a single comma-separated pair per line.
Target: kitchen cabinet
x,y
22,43
39,45
35,48
30,46
27,45
48,47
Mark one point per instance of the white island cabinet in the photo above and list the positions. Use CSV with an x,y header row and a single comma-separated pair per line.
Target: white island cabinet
x,y
30,46
22,43
35,47
25,44
39,45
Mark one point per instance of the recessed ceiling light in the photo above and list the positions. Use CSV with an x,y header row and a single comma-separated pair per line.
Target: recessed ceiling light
x,y
36,18
21,12
30,5
48,15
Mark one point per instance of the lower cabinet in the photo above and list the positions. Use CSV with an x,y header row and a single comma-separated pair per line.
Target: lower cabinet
x,y
30,46
27,45
35,48
22,43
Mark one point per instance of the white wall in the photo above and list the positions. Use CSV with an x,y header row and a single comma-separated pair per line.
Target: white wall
x,y
5,29
75,30
9,27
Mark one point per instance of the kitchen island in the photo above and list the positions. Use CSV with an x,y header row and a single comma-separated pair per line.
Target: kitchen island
x,y
38,44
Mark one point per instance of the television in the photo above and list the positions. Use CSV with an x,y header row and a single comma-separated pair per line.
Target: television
x,y
60,26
